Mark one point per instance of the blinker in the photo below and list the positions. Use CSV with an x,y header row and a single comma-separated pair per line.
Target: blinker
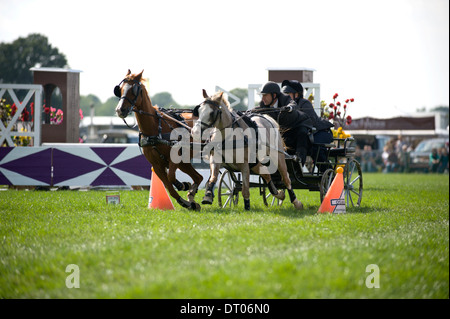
x,y
117,91
195,111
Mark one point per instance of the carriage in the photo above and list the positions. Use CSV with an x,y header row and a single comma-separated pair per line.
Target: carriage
x,y
314,176
156,126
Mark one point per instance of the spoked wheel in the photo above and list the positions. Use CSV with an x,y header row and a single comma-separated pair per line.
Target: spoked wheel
x,y
228,191
353,183
268,199
325,182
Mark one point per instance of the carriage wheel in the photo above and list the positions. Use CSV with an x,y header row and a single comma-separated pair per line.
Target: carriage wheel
x,y
353,183
268,199
325,183
228,191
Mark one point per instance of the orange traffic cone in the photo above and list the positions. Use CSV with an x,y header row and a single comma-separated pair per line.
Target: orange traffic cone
x,y
334,201
159,198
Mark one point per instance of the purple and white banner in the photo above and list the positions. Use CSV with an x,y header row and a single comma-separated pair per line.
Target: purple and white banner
x,y
74,165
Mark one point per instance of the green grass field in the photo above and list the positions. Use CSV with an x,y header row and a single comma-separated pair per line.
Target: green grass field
x,y
129,251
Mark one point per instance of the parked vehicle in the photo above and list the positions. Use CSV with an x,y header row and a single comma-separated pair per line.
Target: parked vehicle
x,y
119,136
420,157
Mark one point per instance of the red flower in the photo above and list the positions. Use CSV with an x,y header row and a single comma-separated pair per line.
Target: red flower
x,y
331,116
349,120
338,113
25,116
346,101
338,103
352,100
46,110
335,108
335,96
13,109
345,106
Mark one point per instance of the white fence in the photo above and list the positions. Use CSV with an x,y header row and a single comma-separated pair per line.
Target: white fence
x,y
13,127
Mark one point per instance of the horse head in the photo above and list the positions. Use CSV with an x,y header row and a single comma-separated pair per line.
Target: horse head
x,y
210,112
129,92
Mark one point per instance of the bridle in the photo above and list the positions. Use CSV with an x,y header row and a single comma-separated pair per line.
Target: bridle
x,y
216,115
136,90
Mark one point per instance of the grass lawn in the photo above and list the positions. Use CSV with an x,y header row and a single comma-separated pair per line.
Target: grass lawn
x,y
129,251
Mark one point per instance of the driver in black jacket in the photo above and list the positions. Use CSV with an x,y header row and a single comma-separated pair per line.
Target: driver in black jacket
x,y
295,125
323,127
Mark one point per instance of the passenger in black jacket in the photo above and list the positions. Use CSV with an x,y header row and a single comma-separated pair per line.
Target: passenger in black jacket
x,y
323,134
295,125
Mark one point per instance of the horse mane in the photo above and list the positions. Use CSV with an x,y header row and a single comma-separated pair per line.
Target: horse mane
x,y
222,97
132,77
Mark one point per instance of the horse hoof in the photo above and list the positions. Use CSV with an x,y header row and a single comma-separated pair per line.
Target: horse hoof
x,y
195,206
298,205
207,200
246,204
281,195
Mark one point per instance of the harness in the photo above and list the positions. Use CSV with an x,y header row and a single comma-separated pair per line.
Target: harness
x,y
147,140
217,112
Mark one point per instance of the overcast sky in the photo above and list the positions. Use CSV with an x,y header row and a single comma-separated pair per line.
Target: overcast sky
x,y
391,56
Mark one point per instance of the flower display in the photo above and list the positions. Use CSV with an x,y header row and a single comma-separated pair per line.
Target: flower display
x,y
337,112
56,116
24,122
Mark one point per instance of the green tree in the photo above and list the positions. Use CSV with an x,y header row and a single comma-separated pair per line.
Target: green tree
x,y
108,108
164,99
243,95
18,57
87,101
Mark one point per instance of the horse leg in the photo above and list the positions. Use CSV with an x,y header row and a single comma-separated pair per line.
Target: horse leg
x,y
209,187
282,168
161,172
196,178
180,186
263,172
246,186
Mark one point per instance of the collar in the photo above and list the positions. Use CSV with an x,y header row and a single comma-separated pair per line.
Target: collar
x,y
276,104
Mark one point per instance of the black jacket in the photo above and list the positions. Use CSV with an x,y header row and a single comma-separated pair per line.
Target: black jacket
x,y
289,120
319,123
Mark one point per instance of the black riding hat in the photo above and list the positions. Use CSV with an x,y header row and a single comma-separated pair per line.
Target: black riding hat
x,y
271,87
292,86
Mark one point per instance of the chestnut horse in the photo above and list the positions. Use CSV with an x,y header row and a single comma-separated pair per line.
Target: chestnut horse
x,y
215,113
155,126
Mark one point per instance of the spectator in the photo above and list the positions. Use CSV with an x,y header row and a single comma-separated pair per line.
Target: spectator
x,y
399,145
404,159
443,160
368,159
434,160
390,159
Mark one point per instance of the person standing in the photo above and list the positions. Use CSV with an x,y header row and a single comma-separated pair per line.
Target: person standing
x,y
434,160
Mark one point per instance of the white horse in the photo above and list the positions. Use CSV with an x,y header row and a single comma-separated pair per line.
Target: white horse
x,y
227,128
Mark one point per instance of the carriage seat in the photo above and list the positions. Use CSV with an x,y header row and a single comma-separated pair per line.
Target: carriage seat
x,y
337,151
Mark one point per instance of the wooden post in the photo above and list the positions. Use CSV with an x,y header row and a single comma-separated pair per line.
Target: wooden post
x,y
68,81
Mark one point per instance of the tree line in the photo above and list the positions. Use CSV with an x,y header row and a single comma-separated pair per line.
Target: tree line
x,y
17,57
162,99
